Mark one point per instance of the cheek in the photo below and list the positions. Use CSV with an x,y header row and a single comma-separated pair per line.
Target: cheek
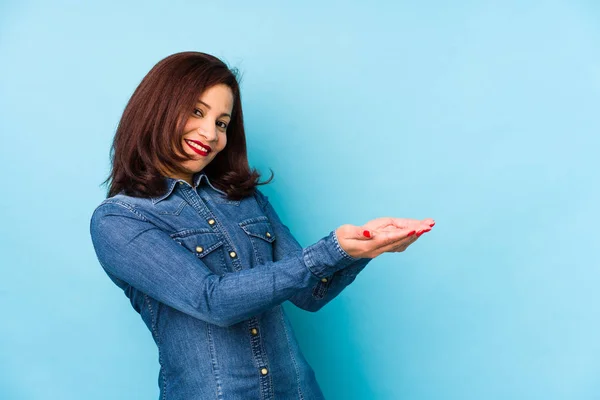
x,y
189,126
185,146
222,142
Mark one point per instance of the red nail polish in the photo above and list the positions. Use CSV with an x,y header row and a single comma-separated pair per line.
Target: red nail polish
x,y
432,224
411,233
422,232
367,234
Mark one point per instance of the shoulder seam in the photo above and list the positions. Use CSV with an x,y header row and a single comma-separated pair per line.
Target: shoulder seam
x,y
127,206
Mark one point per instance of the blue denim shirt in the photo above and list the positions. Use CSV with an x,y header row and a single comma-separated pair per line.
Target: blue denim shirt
x,y
208,276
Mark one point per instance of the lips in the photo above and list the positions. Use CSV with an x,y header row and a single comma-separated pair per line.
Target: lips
x,y
205,147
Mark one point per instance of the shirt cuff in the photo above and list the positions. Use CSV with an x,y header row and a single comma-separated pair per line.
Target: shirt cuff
x,y
326,256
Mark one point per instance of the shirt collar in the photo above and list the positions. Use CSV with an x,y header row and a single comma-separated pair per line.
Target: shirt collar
x,y
171,182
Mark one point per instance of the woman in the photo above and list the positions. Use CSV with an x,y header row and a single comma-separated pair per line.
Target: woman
x,y
200,251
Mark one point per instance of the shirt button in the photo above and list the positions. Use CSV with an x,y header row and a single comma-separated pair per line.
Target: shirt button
x,y
268,234
254,331
232,254
211,221
181,183
199,249
264,371
323,279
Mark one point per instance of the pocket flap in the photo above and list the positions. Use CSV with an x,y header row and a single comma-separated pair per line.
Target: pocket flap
x,y
199,241
259,227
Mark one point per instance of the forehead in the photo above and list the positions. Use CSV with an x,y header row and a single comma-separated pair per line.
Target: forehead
x,y
218,96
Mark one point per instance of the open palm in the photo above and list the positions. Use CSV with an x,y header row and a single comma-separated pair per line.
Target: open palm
x,y
387,224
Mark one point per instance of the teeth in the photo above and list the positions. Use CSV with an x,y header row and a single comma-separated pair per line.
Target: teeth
x,y
197,146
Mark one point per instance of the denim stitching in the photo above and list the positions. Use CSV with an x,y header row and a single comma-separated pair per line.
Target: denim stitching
x,y
219,389
127,206
300,395
157,337
178,211
341,250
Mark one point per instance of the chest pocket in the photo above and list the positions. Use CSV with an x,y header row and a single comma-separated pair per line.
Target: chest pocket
x,y
261,235
206,245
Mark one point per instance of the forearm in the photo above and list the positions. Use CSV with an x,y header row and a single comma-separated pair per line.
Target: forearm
x,y
327,287
314,298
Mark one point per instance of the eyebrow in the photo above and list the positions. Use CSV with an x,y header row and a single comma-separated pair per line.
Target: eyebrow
x,y
207,106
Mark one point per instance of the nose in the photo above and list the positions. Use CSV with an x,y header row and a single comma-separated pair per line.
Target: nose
x,y
210,135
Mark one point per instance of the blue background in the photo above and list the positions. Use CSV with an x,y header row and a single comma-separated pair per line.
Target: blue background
x,y
482,115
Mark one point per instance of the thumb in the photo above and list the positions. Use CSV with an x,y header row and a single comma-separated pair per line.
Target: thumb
x,y
363,233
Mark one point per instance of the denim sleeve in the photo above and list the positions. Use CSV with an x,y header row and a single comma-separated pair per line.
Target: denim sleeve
x,y
135,251
314,297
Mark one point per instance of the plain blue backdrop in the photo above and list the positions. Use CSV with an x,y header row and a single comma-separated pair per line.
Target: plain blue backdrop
x,y
482,115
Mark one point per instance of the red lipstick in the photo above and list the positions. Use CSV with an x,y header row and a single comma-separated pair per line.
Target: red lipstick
x,y
204,152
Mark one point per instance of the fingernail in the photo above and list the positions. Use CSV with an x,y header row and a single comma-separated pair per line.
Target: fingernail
x,y
366,233
432,224
411,233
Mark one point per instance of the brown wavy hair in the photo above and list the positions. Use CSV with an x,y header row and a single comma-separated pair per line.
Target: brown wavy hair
x,y
152,123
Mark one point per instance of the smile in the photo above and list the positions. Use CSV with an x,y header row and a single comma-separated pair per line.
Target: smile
x,y
198,149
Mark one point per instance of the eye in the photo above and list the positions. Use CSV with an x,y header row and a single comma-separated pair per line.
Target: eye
x,y
196,111
223,126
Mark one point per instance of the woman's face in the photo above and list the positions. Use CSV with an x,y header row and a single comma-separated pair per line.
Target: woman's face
x,y
205,130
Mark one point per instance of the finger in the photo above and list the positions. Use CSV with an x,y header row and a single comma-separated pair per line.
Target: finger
x,y
418,226
405,223
403,245
398,249
392,238
361,233
396,223
378,223
422,231
429,221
